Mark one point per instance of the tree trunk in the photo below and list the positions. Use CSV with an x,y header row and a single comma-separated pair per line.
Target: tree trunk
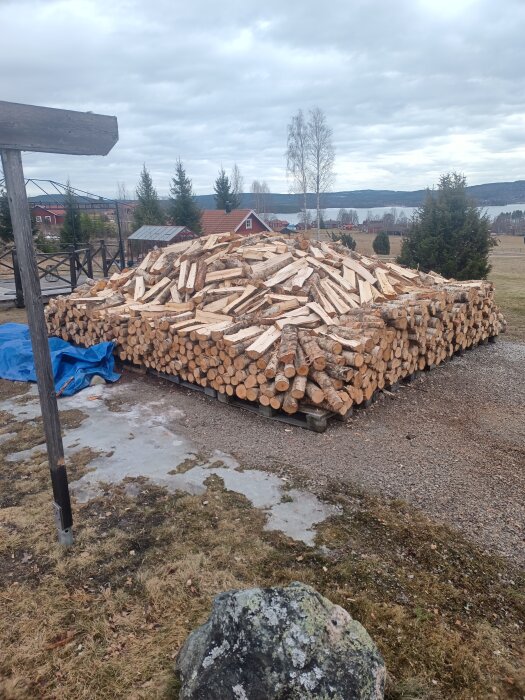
x,y
318,211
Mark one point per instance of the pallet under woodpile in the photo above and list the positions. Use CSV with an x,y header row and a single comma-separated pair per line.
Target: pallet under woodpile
x,y
283,323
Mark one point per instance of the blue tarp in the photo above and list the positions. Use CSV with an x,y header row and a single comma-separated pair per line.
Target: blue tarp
x,y
69,362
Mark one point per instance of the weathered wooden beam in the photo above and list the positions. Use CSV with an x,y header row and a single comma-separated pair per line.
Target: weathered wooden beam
x,y
44,129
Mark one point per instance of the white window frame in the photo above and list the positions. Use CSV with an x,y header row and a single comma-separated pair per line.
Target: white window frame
x,y
38,219
249,224
48,219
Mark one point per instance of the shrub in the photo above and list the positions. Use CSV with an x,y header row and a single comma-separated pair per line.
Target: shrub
x,y
381,244
345,239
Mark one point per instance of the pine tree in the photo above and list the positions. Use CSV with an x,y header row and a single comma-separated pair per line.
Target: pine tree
x,y
6,227
223,193
184,210
449,234
148,210
381,243
72,231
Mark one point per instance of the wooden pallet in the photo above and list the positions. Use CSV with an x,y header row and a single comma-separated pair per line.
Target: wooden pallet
x,y
309,417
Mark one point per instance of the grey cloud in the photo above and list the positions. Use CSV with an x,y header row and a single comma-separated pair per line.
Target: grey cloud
x,y
411,88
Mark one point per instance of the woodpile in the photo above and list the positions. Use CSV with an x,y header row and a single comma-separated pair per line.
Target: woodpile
x,y
284,322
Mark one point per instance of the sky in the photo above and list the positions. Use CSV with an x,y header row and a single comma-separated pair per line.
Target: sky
x,y
410,88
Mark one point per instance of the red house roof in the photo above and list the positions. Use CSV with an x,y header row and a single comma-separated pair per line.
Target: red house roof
x,y
219,221
49,210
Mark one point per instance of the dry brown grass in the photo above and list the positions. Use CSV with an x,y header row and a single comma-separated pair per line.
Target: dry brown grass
x,y
508,275
106,618
10,314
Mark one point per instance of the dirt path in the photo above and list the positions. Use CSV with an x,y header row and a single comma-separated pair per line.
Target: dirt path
x,y
453,444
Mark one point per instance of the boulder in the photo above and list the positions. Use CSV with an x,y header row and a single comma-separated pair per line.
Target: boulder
x,y
277,643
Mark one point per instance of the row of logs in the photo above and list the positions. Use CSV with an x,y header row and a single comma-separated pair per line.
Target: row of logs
x,y
343,364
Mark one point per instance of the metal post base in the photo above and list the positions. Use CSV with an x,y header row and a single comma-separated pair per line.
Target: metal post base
x,y
65,537
65,534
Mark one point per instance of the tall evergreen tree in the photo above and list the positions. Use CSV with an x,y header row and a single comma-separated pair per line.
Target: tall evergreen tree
x,y
72,231
449,234
184,210
6,227
223,192
148,210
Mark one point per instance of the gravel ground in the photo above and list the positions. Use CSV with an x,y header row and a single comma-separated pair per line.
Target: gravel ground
x,y
452,444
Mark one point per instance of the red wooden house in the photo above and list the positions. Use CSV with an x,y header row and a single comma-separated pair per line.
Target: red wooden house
x,y
47,217
278,224
244,221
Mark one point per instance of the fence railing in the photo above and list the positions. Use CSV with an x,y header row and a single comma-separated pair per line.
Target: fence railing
x,y
62,270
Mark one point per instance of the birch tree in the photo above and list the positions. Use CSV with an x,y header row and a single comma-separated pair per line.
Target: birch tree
x,y
260,191
237,186
297,158
319,157
265,199
256,191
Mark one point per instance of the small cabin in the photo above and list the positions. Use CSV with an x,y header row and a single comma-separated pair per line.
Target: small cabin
x,y
148,237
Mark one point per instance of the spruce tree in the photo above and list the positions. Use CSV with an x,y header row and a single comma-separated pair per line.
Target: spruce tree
x,y
449,234
224,198
381,243
184,210
72,231
148,210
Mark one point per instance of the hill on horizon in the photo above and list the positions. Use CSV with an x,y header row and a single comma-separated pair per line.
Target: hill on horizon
x,y
489,194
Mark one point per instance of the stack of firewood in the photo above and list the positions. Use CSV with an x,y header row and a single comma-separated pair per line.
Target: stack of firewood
x,y
280,321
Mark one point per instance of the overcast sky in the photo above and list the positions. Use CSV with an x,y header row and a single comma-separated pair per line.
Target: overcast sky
x,y
411,88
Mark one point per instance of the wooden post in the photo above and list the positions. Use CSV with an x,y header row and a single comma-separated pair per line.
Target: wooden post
x,y
103,256
89,262
120,243
46,130
19,208
72,267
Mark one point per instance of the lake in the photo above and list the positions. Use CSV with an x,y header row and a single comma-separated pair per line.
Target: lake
x,y
381,211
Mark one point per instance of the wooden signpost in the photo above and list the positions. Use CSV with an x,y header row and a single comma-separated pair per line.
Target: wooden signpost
x,y
30,128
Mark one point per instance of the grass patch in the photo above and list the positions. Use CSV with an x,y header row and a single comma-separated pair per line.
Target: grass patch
x,y
106,618
10,314
508,275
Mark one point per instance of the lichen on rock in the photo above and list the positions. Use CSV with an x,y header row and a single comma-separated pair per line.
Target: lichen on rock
x,y
277,643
